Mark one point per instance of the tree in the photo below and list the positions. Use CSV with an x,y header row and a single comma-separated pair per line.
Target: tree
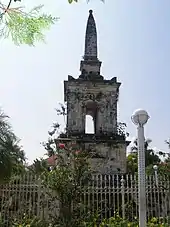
x,y
24,27
12,156
38,166
151,158
167,154
164,167
68,179
132,163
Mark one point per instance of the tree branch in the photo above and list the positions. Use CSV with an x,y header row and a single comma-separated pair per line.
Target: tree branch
x,y
10,1
5,8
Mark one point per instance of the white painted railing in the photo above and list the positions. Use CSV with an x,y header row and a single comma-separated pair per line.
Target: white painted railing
x,y
109,194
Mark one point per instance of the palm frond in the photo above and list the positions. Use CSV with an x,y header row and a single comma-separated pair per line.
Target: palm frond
x,y
12,156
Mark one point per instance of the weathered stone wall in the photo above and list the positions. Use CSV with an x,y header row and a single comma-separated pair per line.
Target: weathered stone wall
x,y
89,66
91,94
109,159
104,96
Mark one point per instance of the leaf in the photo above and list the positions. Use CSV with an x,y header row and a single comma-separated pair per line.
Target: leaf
x,y
26,28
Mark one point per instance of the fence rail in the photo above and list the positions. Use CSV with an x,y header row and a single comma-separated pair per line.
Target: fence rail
x,y
109,194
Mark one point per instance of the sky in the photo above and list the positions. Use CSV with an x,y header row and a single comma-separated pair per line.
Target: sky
x,y
133,45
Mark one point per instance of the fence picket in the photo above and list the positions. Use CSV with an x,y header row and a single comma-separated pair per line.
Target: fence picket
x,y
106,193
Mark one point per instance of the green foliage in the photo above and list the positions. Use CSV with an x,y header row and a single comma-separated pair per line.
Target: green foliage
x,y
71,1
38,166
12,157
164,168
132,163
150,158
116,221
121,129
25,28
30,222
70,173
66,179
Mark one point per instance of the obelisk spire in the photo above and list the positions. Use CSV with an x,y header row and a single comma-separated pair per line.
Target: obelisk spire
x,y
90,52
90,65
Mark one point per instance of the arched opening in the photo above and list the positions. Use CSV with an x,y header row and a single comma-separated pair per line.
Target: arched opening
x,y
90,120
89,127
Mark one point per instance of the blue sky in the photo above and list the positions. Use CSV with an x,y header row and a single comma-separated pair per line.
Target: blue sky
x,y
134,46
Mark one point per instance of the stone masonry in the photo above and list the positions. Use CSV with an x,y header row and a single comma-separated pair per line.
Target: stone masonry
x,y
90,94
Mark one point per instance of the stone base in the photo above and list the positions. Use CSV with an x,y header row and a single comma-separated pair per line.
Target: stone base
x,y
108,152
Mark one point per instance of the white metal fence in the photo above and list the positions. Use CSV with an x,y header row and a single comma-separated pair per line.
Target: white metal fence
x,y
109,194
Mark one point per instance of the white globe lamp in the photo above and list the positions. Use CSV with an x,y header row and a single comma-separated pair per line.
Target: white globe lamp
x,y
140,117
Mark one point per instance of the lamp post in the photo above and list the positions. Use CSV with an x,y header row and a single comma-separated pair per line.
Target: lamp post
x,y
155,167
140,118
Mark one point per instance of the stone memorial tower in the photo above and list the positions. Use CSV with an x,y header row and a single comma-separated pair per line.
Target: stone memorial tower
x,y
90,94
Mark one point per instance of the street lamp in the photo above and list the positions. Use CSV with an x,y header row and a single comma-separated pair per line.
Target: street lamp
x,y
140,118
155,167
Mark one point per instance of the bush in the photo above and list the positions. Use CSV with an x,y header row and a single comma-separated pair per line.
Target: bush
x,y
119,222
111,222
